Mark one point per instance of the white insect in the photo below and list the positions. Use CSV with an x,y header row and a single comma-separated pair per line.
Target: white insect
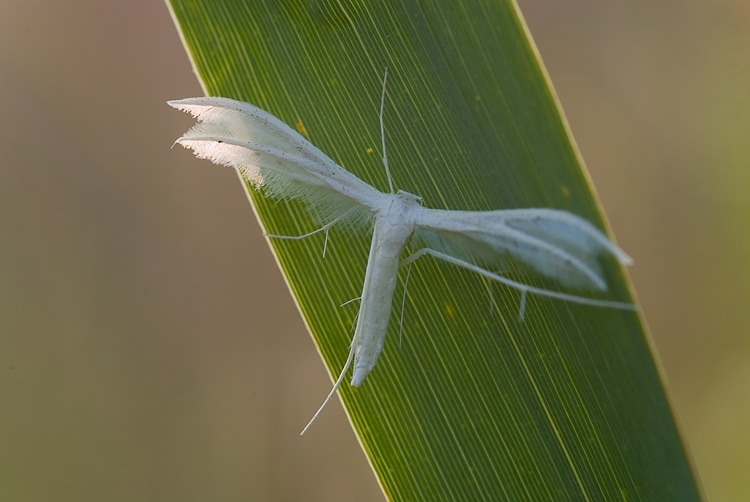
x,y
272,156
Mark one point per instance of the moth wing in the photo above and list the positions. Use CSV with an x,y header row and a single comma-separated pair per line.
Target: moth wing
x,y
556,244
274,157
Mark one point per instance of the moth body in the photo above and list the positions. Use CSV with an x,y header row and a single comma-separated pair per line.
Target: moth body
x,y
394,224
272,156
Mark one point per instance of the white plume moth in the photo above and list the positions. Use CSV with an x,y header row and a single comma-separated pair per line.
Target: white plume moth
x,y
271,155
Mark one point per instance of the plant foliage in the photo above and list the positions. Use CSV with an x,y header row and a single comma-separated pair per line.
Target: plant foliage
x,y
474,404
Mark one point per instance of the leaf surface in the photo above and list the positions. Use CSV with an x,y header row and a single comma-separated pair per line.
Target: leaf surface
x,y
474,404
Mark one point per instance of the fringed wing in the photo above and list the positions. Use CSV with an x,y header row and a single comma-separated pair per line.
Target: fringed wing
x,y
556,244
274,157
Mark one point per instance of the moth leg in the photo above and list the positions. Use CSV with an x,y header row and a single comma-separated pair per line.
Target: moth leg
x,y
333,391
350,301
412,242
490,294
523,288
343,371
403,307
324,228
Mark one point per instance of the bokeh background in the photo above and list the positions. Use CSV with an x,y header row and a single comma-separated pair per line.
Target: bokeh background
x,y
149,349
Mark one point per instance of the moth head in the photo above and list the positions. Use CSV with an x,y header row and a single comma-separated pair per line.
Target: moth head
x,y
409,197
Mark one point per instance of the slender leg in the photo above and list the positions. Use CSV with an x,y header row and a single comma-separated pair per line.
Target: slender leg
x,y
403,307
333,391
523,288
350,301
324,228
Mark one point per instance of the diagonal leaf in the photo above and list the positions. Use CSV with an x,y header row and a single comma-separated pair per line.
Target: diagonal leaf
x,y
475,405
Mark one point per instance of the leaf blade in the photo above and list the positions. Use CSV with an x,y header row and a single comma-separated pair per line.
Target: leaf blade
x,y
548,408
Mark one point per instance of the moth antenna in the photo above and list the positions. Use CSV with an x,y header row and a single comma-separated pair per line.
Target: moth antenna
x,y
522,308
382,133
333,391
325,244
403,307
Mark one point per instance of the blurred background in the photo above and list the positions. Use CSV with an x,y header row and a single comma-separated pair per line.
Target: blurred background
x,y
149,348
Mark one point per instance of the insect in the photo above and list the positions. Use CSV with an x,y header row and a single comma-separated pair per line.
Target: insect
x,y
274,157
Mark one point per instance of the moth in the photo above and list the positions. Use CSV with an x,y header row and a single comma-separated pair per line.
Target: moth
x,y
275,158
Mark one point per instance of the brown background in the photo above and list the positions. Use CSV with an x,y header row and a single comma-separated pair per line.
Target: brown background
x,y
149,349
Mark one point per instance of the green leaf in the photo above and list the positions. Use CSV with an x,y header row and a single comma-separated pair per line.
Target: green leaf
x,y
474,405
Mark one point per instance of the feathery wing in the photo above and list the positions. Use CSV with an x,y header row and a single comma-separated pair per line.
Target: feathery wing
x,y
557,244
274,157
